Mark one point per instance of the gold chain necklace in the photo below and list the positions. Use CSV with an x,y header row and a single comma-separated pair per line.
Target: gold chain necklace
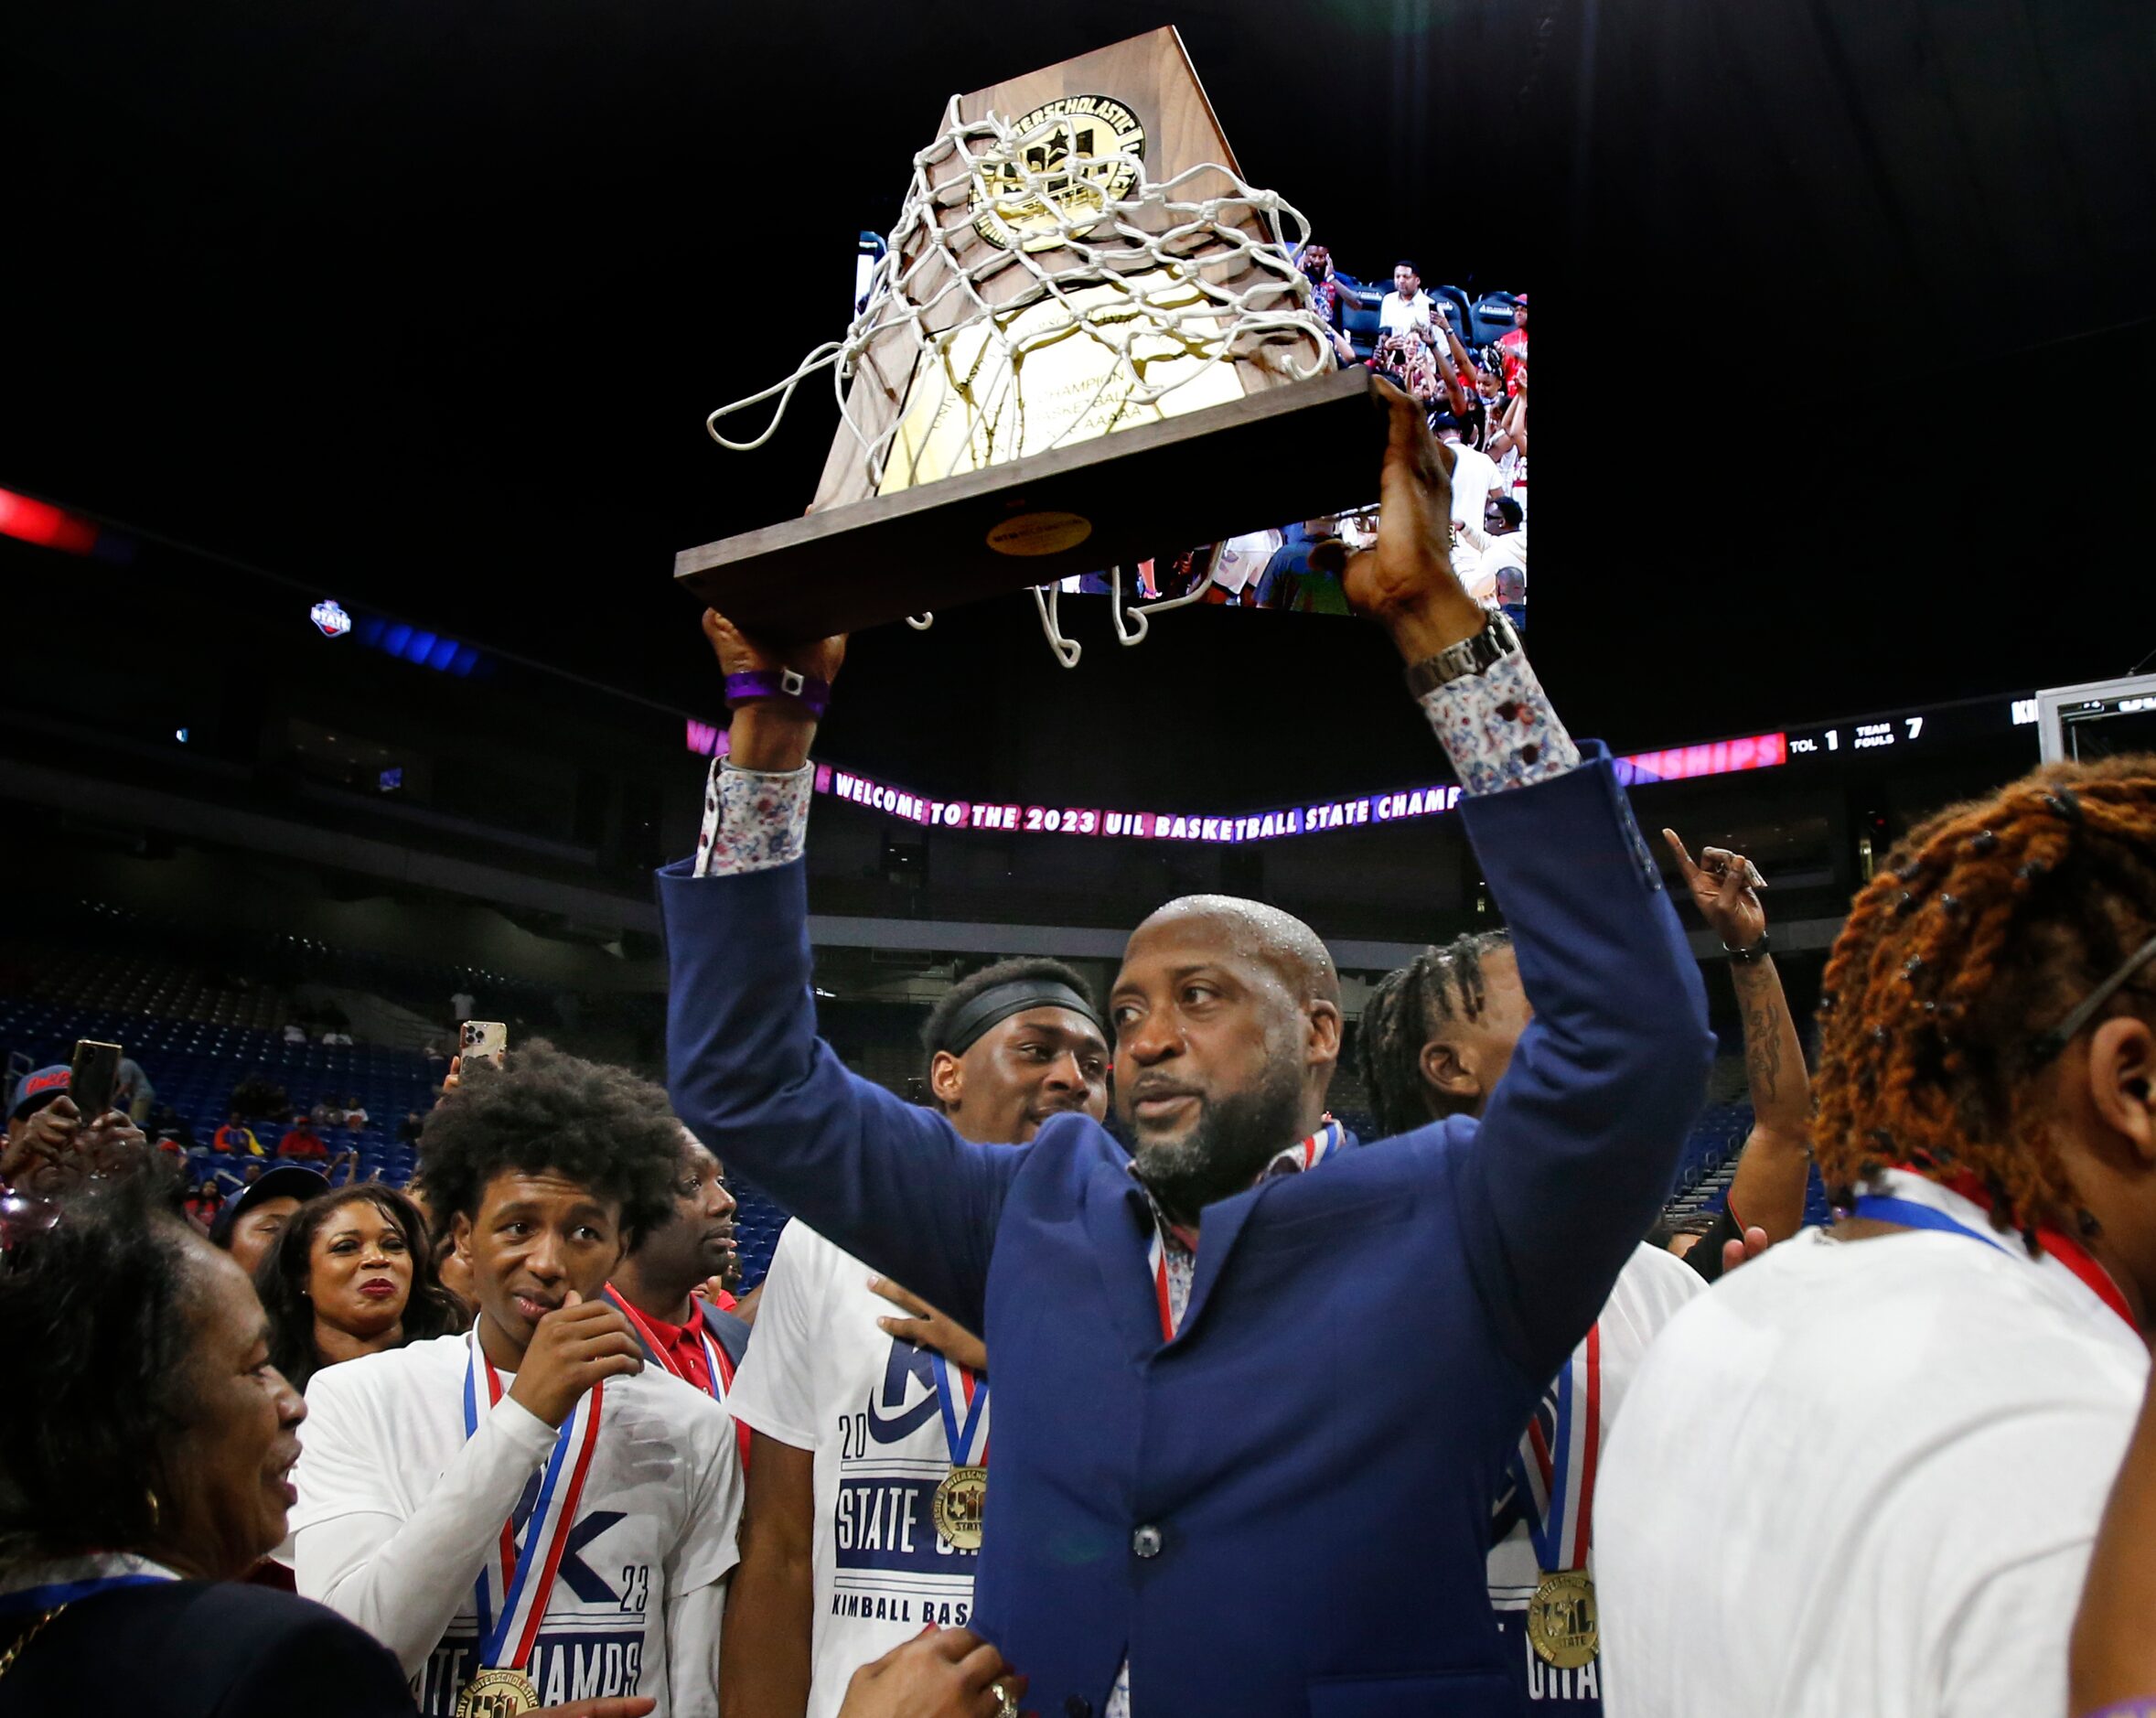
x,y
8,1658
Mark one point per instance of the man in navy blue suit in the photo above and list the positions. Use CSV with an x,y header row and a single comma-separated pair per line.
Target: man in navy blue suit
x,y
1254,1388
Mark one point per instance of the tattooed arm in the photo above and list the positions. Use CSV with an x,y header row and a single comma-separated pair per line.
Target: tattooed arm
x,y
1768,1190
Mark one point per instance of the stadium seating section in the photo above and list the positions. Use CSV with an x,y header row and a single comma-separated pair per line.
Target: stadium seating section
x,y
197,1041
1710,1164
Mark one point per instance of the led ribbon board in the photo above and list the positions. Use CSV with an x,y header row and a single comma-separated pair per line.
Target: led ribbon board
x,y
1681,763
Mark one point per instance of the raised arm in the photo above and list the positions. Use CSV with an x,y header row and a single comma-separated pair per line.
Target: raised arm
x,y
889,1182
1767,1193
1514,432
1448,373
1452,362
1575,1152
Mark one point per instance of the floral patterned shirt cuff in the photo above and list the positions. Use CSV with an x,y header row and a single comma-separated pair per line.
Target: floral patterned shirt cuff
x,y
1499,729
753,821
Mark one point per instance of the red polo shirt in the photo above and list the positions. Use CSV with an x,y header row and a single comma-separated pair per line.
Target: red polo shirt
x,y
682,1351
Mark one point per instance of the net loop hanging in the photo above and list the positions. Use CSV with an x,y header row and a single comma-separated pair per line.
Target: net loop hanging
x,y
1163,274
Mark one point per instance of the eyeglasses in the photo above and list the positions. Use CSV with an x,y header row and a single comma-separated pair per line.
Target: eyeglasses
x,y
2062,1035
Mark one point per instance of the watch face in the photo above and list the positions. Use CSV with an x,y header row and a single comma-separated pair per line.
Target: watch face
x,y
1469,655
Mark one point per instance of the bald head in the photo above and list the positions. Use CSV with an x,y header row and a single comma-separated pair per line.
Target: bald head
x,y
1251,930
1227,1018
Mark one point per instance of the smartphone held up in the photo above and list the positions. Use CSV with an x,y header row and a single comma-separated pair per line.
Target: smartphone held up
x,y
483,1041
93,1078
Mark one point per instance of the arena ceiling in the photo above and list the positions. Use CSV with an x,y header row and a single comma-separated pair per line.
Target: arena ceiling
x,y
1847,300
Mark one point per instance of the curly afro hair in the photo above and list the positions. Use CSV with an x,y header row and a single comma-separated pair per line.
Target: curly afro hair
x,y
101,1316
543,1109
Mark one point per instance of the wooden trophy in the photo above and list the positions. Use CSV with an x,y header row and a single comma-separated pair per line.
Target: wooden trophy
x,y
1087,341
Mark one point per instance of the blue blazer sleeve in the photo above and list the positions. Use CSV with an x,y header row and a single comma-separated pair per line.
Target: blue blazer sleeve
x,y
889,1182
1581,1137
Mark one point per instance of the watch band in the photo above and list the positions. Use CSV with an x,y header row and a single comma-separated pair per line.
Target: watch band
x,y
1470,655
1744,956
806,689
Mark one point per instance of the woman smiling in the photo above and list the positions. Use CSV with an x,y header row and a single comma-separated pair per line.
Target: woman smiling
x,y
146,1447
352,1275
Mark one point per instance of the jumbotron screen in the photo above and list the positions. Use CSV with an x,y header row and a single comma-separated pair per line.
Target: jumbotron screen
x,y
1464,355
1465,358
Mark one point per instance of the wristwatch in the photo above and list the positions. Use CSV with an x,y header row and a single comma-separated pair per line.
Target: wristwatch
x,y
1744,956
1470,655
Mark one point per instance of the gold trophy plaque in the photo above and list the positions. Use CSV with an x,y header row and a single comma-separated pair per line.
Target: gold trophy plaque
x,y
1087,341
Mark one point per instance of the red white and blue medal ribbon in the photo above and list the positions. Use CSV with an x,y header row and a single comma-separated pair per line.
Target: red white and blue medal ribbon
x,y
967,1435
1171,1289
1310,1152
1170,1292
711,1369
523,1570
1917,1202
1557,1468
717,1374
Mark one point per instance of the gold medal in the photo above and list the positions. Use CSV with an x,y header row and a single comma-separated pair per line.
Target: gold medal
x,y
498,1694
1563,1626
960,1498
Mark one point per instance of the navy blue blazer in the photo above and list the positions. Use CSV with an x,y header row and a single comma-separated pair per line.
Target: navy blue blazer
x,y
1285,1511
202,1650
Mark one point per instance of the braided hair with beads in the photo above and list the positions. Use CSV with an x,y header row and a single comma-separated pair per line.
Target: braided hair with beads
x,y
1405,1010
1992,919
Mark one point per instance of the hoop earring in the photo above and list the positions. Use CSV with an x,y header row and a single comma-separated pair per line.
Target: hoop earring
x,y
150,1495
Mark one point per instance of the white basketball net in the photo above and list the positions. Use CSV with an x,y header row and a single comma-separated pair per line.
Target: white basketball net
x,y
1160,285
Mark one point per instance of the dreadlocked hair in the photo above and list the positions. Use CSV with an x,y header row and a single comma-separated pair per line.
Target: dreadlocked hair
x,y
1404,1012
1991,922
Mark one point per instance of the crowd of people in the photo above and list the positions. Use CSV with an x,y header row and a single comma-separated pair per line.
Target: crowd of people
x,y
1449,1420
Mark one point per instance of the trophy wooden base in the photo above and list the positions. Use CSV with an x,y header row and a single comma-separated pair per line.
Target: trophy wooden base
x,y
1288,453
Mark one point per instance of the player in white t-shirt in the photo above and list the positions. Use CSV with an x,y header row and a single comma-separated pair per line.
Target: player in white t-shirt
x,y
530,1499
1534,1541
1407,309
1436,1038
1475,473
857,1424
1865,1474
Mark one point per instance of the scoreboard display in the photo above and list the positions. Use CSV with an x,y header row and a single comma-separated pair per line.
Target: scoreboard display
x,y
1931,728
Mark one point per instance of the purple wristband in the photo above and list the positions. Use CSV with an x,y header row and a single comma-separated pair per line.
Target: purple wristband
x,y
811,693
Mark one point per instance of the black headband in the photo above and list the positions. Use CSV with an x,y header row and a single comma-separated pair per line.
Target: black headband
x,y
1000,1002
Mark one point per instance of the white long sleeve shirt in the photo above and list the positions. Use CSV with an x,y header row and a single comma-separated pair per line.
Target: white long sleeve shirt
x,y
398,1511
1478,558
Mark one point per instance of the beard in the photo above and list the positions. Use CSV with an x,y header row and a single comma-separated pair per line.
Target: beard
x,y
1226,1148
